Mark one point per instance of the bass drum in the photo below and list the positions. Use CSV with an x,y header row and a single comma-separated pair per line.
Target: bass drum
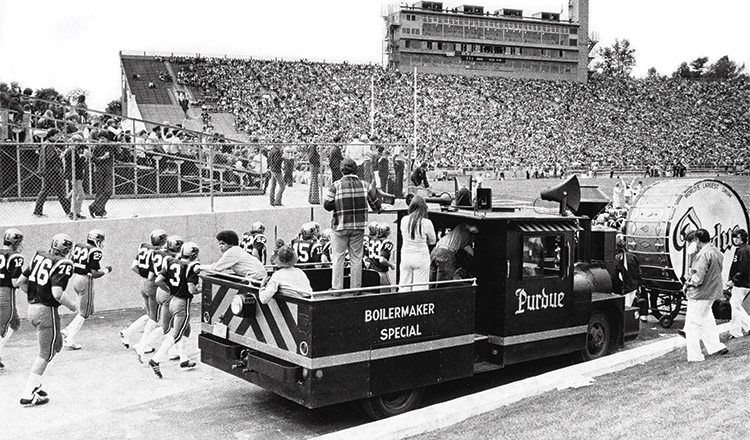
x,y
665,212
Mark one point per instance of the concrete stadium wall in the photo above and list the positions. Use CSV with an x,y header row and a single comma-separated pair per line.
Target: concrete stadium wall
x,y
120,289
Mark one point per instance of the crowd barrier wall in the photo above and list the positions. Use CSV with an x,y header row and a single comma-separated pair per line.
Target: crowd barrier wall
x,y
121,288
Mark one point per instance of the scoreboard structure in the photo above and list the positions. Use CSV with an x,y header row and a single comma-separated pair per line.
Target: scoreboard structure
x,y
468,40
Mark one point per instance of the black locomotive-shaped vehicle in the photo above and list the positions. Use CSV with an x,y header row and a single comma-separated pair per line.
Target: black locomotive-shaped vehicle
x,y
533,293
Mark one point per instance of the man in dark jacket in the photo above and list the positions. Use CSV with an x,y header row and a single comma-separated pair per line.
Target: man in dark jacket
x,y
739,283
51,172
628,280
275,162
419,176
334,160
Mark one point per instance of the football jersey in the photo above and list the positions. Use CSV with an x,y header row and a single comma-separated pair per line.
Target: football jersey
x,y
255,245
307,250
158,260
366,246
86,258
325,249
44,272
11,266
178,273
380,247
143,259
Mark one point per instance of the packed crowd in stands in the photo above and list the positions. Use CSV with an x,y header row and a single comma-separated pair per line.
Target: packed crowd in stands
x,y
485,122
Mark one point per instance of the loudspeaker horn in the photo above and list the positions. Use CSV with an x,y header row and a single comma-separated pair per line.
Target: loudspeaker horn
x,y
568,194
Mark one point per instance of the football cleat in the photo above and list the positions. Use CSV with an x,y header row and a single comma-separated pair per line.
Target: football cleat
x,y
155,367
124,341
36,399
187,365
2,365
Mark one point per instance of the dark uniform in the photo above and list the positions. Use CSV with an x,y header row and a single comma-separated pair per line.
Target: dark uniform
x,y
11,266
159,259
178,273
148,288
307,249
255,244
86,259
381,247
45,272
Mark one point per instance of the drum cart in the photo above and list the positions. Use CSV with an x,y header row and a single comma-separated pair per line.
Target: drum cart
x,y
666,305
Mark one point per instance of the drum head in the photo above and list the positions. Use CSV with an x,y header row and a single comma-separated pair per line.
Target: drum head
x,y
656,226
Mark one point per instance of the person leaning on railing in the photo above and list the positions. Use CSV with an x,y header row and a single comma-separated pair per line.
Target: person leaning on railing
x,y
286,277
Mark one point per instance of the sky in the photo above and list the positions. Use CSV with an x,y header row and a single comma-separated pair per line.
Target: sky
x,y
76,43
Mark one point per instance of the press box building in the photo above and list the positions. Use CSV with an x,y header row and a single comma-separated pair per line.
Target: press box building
x,y
468,40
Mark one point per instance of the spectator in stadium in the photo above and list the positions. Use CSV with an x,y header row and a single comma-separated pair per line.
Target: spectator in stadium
x,y
289,153
348,198
419,176
417,233
103,158
51,171
739,284
260,168
313,158
184,103
384,168
357,151
702,288
234,259
399,166
76,164
286,277
334,160
275,161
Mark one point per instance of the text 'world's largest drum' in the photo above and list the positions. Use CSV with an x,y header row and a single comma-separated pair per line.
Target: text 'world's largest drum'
x,y
666,211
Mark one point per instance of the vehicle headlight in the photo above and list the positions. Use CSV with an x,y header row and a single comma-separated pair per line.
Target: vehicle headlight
x,y
243,305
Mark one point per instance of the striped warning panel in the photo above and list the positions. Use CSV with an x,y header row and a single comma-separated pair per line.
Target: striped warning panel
x,y
275,323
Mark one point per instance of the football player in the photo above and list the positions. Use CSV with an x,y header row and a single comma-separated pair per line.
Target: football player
x,y
372,233
141,265
159,258
381,248
254,242
179,277
44,280
325,245
11,266
306,245
87,258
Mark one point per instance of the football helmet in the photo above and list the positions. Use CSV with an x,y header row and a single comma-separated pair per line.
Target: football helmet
x,y
96,236
326,234
307,231
61,244
158,237
174,243
258,228
316,228
384,230
372,228
13,238
189,250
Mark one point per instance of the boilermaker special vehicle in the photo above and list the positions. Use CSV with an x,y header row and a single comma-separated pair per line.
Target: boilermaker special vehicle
x,y
531,290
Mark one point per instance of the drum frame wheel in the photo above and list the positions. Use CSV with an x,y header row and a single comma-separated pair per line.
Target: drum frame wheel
x,y
666,305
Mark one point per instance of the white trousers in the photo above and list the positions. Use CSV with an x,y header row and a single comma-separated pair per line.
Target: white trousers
x,y
414,268
700,325
740,319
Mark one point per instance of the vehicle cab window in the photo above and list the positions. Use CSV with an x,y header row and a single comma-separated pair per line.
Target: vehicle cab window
x,y
542,256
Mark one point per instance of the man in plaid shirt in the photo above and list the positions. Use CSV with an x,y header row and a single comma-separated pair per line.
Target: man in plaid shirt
x,y
348,199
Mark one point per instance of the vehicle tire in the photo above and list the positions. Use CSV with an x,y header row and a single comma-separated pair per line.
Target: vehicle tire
x,y
598,337
666,321
387,405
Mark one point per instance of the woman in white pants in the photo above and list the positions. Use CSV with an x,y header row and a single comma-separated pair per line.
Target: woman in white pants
x,y
417,232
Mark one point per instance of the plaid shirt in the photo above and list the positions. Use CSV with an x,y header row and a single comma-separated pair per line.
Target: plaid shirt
x,y
348,198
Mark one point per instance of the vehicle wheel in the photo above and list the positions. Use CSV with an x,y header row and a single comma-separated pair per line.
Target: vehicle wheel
x,y
387,405
666,321
598,337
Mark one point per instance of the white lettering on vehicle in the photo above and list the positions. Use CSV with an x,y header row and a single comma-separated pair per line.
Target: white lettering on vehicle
x,y
373,315
399,312
539,301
